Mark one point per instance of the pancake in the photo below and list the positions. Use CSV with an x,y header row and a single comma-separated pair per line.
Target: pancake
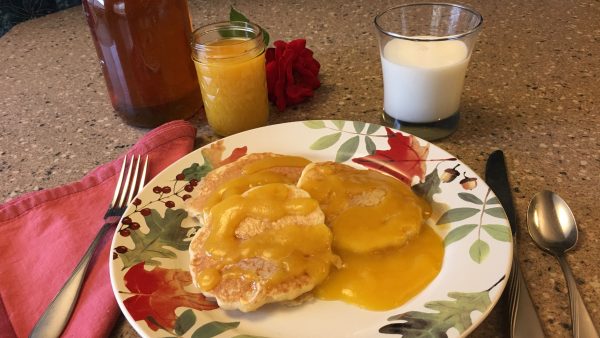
x,y
366,210
269,244
236,177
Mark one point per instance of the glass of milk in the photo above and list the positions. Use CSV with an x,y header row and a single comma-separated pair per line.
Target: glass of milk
x,y
425,49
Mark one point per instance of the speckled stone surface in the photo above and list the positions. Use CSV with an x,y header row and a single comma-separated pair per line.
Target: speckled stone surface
x,y
532,89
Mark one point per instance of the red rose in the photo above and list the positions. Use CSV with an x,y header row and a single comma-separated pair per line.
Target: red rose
x,y
292,73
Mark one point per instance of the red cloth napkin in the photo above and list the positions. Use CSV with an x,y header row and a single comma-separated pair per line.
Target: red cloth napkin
x,y
44,234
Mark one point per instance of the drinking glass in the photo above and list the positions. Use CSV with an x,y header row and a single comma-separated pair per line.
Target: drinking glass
x,y
425,49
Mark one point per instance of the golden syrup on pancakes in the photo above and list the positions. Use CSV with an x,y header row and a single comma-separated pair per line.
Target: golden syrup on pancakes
x,y
261,194
387,256
255,174
376,228
383,280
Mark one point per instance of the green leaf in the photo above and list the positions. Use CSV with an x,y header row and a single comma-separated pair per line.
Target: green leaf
x,y
185,322
373,128
164,235
493,200
458,233
347,149
196,171
496,212
358,126
235,15
370,145
314,124
448,314
339,124
326,141
213,329
498,231
457,214
429,187
465,196
479,251
266,37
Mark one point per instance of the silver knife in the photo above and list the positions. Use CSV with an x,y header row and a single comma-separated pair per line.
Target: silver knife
x,y
524,321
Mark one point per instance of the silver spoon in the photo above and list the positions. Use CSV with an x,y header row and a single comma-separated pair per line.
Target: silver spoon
x,y
552,226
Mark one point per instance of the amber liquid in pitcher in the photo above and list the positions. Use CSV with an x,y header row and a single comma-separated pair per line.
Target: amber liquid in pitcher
x,y
145,55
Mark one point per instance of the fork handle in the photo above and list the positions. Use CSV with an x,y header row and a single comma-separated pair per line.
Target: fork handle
x,y
58,313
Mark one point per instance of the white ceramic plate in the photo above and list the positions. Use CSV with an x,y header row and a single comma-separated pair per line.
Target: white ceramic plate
x,y
149,267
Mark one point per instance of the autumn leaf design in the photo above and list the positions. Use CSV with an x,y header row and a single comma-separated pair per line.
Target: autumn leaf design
x,y
157,293
454,313
164,233
404,160
350,146
212,157
427,189
479,249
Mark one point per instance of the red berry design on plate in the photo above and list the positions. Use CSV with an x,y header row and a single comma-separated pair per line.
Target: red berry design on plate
x,y
194,182
186,196
121,249
126,220
136,202
180,177
145,212
125,232
166,190
188,188
468,183
134,226
157,190
169,204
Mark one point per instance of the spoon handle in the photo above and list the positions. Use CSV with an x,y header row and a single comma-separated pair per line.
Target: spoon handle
x,y
583,327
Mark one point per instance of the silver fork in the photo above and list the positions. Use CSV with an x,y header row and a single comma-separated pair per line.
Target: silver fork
x,y
58,313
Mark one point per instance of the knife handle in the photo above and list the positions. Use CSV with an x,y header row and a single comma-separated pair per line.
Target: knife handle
x,y
524,322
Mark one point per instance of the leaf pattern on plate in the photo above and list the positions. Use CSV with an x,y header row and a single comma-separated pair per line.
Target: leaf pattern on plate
x,y
212,329
349,147
334,140
326,141
164,233
184,322
157,293
404,159
479,249
454,313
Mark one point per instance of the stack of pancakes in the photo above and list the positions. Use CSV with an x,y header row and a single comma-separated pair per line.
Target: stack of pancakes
x,y
267,220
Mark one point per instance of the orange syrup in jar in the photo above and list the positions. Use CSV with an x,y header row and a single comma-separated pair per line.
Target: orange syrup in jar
x,y
230,62
144,52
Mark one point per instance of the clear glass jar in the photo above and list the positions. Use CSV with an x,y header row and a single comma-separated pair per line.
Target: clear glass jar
x,y
144,52
230,62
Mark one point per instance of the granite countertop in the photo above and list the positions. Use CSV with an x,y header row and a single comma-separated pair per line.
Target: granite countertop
x,y
532,89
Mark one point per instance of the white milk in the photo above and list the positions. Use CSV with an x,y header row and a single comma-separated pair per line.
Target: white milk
x,y
423,80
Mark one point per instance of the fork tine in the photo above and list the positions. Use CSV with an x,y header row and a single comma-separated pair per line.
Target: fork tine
x,y
126,185
118,188
131,188
143,178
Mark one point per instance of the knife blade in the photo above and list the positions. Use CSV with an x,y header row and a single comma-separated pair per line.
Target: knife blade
x,y
524,321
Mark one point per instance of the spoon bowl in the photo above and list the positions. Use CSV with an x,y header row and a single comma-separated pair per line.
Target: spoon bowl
x,y
551,223
553,228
